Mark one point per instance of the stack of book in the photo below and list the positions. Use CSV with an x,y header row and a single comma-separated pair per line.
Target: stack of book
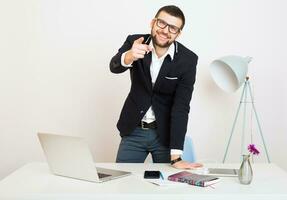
x,y
193,179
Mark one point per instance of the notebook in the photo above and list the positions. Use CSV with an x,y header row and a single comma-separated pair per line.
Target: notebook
x,y
193,179
70,157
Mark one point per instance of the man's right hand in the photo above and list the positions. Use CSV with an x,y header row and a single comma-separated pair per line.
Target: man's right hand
x,y
186,165
137,51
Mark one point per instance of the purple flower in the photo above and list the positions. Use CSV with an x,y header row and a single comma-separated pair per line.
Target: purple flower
x,y
252,149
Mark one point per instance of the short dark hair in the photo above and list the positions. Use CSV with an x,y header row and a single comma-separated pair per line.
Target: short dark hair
x,y
174,11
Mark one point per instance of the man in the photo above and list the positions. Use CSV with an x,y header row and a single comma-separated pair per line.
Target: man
x,y
162,71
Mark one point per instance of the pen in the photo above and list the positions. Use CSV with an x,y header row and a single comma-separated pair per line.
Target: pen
x,y
161,175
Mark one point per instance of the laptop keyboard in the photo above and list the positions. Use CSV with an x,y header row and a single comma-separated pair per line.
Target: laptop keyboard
x,y
101,175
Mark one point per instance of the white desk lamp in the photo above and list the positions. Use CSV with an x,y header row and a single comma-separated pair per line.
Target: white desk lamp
x,y
229,73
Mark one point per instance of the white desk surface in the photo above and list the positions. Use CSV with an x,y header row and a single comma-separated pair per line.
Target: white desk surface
x,y
35,181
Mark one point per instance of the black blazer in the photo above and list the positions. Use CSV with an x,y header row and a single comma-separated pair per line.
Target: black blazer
x,y
170,97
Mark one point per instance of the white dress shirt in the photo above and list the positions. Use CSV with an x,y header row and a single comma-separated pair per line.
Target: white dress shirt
x,y
155,66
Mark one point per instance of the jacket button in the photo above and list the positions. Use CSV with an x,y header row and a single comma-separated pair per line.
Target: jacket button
x,y
142,111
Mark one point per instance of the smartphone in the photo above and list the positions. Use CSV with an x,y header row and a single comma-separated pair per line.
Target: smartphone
x,y
152,174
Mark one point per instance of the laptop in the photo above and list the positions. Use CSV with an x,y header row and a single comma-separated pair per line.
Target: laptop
x,y
71,157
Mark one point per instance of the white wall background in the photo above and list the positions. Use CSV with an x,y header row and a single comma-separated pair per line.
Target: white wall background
x,y
54,73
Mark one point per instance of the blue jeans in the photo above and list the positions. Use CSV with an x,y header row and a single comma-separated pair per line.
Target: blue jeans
x,y
135,147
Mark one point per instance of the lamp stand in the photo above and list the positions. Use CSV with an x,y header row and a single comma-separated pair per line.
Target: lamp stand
x,y
246,89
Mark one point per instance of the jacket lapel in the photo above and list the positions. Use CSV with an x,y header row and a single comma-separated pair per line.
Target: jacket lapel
x,y
165,68
146,61
167,65
146,68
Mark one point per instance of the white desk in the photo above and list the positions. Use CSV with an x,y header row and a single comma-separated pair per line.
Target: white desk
x,y
34,181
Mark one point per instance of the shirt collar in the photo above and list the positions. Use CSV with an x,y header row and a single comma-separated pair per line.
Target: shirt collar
x,y
169,52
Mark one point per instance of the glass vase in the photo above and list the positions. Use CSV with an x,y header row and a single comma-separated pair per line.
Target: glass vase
x,y
245,173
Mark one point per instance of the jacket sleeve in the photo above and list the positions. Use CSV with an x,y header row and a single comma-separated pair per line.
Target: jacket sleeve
x,y
181,107
115,64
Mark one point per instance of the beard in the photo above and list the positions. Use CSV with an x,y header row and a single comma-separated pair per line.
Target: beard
x,y
156,41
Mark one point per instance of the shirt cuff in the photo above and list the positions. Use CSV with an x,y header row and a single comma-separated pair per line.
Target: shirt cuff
x,y
122,60
176,152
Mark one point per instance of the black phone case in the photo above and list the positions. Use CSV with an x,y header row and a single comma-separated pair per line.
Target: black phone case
x,y
151,174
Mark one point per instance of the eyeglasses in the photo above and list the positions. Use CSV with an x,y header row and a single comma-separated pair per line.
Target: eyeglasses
x,y
171,28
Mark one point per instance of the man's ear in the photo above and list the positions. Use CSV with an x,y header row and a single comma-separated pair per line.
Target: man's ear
x,y
178,35
152,22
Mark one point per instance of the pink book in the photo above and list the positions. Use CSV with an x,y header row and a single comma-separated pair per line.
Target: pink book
x,y
193,179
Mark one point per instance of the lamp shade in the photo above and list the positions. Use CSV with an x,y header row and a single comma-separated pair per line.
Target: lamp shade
x,y
229,72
